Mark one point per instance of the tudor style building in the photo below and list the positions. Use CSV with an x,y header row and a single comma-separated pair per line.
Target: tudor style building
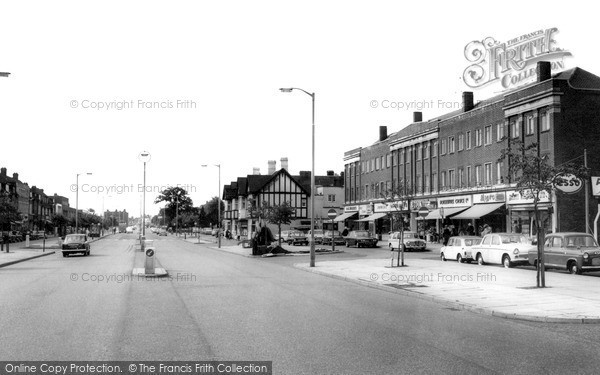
x,y
451,165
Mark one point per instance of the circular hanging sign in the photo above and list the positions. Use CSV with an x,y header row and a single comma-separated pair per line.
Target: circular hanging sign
x,y
568,183
423,211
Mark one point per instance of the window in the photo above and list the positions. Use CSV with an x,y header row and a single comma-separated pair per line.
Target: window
x,y
443,177
451,144
408,156
515,129
376,164
443,151
382,163
478,175
488,135
451,179
545,121
499,168
434,182
367,192
419,152
468,136
530,127
388,160
488,173
434,151
461,177
499,132
461,142
478,139
469,178
401,156
425,151
426,183
330,197
418,184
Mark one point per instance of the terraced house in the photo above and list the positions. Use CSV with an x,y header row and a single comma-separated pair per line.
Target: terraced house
x,y
450,164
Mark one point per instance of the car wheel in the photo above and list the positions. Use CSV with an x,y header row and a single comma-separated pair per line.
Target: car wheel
x,y
347,244
574,269
506,262
443,257
64,255
480,259
459,258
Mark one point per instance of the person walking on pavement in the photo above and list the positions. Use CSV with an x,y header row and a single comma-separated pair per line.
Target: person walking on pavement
x,y
446,235
470,230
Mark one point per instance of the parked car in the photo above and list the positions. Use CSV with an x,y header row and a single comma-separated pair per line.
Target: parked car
x,y
161,232
412,241
37,234
460,248
337,237
318,235
575,252
294,237
508,249
360,238
75,243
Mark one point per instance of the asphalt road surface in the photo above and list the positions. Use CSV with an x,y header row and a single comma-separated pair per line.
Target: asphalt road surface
x,y
222,306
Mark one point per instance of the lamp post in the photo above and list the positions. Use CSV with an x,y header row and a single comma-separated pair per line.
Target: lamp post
x,y
77,201
145,157
4,74
312,176
218,205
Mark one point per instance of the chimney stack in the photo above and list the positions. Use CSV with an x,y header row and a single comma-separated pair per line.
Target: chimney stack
x,y
417,116
467,98
544,70
284,163
329,173
3,171
271,168
16,176
255,171
382,133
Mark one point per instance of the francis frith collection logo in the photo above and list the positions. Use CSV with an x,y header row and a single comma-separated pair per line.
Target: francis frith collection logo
x,y
511,63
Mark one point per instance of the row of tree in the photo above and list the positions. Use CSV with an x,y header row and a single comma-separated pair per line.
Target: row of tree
x,y
179,211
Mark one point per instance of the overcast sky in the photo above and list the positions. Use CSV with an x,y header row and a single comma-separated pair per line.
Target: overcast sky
x,y
224,62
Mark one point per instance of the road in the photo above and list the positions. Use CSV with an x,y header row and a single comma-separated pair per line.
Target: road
x,y
222,306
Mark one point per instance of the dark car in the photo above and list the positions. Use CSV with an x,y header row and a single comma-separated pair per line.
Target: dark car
x,y
75,243
318,235
572,251
360,238
294,237
337,238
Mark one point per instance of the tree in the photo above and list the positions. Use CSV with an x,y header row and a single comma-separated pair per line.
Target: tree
x,y
398,199
177,200
535,176
278,215
212,214
8,214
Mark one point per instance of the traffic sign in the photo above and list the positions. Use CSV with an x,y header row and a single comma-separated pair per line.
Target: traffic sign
x,y
423,211
150,252
331,213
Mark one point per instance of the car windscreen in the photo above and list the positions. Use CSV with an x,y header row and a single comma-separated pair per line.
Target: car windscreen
x,y
514,239
410,235
580,241
472,241
361,234
74,239
335,233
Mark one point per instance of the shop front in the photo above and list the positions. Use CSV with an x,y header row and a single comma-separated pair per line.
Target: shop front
x,y
487,209
448,208
521,213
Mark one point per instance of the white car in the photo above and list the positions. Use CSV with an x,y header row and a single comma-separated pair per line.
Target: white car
x,y
508,249
412,241
460,248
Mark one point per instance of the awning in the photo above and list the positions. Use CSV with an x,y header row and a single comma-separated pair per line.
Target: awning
x,y
435,214
345,216
478,211
373,217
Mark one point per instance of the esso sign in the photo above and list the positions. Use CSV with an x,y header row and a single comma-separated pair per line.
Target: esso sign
x,y
568,183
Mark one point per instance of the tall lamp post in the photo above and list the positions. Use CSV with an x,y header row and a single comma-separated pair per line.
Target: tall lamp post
x,y
312,176
77,201
218,205
145,157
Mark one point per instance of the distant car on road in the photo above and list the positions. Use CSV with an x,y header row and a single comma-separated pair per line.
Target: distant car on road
x,y
318,235
294,237
460,248
337,237
575,252
75,243
508,249
411,240
360,238
161,232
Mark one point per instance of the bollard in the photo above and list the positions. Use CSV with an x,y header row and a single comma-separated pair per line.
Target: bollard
x,y
149,263
27,241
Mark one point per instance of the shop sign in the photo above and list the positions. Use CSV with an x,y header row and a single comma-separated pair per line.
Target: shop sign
x,y
418,203
568,183
458,201
391,206
497,197
350,208
515,197
596,186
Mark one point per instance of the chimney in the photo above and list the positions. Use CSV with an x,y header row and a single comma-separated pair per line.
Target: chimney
x,y
3,171
271,168
543,70
284,163
467,98
16,176
329,173
417,116
255,171
382,133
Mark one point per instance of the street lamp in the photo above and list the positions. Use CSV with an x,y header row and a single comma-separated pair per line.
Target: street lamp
x,y
77,201
218,205
312,176
4,74
145,157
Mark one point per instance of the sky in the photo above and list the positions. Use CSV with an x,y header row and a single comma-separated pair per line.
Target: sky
x,y
93,84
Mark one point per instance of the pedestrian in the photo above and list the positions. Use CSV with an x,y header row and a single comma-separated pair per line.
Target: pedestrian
x,y
486,229
470,230
345,232
446,235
